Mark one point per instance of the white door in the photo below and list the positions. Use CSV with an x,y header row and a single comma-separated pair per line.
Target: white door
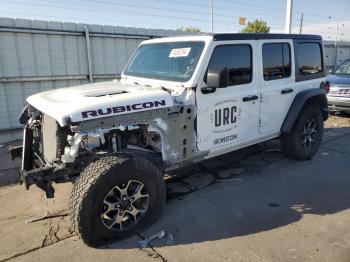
x,y
229,116
277,83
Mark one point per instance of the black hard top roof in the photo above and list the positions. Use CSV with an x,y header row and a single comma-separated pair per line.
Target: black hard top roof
x,y
247,36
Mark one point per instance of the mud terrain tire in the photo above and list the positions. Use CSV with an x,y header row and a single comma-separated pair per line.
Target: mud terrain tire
x,y
97,181
308,127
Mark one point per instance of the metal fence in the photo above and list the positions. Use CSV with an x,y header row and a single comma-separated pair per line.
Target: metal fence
x,y
40,55
336,53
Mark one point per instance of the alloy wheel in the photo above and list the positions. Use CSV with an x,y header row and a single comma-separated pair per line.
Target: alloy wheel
x,y
124,205
309,133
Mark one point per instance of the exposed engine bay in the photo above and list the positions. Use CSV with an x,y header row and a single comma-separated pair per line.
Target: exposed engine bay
x,y
54,153
60,149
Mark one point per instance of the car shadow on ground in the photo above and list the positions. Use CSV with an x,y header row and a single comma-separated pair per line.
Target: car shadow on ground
x,y
265,194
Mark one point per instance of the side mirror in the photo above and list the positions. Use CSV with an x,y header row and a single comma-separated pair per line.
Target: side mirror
x,y
217,77
331,71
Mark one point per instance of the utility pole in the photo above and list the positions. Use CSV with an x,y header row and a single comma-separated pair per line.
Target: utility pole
x,y
301,23
289,10
211,16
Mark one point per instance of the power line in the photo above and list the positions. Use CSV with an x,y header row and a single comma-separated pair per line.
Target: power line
x,y
144,6
109,11
272,8
84,18
182,11
119,10
206,14
223,8
252,5
219,11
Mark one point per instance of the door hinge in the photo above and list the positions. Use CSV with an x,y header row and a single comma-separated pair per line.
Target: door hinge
x,y
260,122
261,98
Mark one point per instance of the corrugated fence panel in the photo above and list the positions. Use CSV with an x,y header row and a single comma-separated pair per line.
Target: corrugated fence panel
x,y
343,53
39,55
336,55
329,55
8,55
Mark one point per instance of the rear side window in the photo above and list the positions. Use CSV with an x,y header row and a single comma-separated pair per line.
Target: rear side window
x,y
237,58
276,61
309,62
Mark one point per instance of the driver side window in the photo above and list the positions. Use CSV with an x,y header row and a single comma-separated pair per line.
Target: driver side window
x,y
238,60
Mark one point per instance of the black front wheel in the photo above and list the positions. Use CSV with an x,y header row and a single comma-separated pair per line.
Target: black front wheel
x,y
306,135
115,197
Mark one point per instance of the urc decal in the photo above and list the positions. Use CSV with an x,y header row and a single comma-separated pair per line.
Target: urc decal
x,y
225,116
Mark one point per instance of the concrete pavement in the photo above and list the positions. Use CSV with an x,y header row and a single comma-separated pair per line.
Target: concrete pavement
x,y
252,205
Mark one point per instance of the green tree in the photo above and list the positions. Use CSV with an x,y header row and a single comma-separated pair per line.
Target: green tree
x,y
189,29
257,26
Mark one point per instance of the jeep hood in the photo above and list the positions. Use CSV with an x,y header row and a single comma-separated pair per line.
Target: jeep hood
x,y
91,101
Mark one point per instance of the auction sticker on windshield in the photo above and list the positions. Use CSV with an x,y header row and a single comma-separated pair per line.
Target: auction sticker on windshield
x,y
180,52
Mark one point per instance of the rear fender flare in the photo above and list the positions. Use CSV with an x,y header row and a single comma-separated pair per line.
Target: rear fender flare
x,y
299,101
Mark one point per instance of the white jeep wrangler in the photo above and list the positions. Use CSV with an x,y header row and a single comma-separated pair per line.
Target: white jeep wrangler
x,y
179,101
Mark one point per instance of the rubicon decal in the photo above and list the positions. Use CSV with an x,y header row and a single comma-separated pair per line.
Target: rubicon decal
x,y
123,109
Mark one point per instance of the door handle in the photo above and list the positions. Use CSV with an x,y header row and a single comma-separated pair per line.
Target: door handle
x,y
250,98
286,91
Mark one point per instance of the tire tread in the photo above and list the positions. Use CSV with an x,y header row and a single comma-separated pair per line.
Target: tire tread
x,y
89,177
288,141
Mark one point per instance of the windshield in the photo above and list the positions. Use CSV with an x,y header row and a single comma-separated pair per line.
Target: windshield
x,y
343,69
175,61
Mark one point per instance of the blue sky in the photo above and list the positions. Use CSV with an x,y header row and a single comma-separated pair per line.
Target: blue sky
x,y
319,15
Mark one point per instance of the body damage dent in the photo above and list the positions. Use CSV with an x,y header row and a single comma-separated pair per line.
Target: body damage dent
x,y
175,126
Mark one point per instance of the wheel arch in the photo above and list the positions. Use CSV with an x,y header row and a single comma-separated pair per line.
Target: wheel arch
x,y
306,97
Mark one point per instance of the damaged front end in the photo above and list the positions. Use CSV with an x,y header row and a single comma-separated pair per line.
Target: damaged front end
x,y
43,146
52,153
59,153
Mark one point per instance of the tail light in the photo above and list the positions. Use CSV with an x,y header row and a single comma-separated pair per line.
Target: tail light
x,y
325,86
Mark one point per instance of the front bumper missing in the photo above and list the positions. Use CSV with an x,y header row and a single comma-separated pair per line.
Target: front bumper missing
x,y
41,177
